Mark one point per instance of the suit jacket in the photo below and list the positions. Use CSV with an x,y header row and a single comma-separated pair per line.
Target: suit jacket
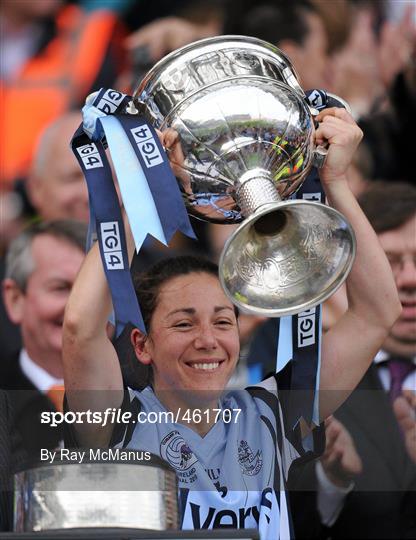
x,y
28,404
5,463
11,457
383,501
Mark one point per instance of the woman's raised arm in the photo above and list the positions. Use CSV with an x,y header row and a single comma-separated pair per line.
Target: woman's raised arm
x,y
373,305
92,371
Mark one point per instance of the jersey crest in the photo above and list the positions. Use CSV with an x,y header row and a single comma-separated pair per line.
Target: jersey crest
x,y
249,461
176,452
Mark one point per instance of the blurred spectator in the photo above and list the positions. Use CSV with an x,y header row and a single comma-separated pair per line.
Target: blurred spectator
x,y
142,13
383,500
165,35
296,27
56,189
5,463
52,56
376,52
148,44
375,73
118,6
56,186
343,464
41,266
336,16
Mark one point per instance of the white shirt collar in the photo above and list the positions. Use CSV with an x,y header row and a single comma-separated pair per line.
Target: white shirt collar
x,y
383,355
38,376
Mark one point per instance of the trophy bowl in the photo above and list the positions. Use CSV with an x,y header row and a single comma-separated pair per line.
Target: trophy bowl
x,y
236,107
239,135
66,495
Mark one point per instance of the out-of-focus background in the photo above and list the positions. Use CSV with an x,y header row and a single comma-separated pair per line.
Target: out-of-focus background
x,y
54,53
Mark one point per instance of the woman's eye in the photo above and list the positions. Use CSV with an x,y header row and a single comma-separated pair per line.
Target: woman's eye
x,y
183,324
224,322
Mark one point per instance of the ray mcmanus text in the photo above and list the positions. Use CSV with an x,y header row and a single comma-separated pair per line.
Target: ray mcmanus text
x,y
98,454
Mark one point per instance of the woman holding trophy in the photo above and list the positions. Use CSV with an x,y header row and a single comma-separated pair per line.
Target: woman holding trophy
x,y
231,450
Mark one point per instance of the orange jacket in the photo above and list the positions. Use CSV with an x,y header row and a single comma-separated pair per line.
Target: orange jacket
x,y
54,81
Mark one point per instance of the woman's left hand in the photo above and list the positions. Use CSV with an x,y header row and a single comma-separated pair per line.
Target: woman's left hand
x,y
338,129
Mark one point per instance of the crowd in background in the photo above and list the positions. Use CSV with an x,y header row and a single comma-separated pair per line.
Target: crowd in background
x,y
54,53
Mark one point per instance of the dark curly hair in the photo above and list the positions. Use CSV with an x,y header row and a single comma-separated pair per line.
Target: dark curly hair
x,y
148,284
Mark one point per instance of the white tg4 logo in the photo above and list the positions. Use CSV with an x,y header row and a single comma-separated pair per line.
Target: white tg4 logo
x,y
147,146
111,244
306,328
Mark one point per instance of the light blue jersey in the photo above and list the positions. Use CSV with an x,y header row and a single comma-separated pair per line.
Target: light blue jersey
x,y
235,475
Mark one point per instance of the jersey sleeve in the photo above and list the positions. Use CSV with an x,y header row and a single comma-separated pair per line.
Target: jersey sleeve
x,y
122,432
275,397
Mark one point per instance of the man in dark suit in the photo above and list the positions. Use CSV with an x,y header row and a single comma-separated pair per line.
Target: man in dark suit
x,y
55,189
382,501
11,457
41,266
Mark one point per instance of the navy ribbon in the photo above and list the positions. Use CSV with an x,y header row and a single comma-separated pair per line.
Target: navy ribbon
x,y
98,105
109,228
317,99
106,101
301,334
162,183
105,215
299,340
306,337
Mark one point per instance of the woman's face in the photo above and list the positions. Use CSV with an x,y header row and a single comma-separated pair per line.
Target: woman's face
x,y
193,342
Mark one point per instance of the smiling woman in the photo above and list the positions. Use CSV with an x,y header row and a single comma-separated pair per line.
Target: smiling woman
x,y
232,466
193,341
222,445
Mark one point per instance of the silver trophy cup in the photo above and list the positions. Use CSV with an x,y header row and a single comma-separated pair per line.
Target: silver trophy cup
x,y
96,494
240,139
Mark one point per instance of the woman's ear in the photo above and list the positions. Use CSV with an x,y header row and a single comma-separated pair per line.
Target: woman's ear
x,y
140,343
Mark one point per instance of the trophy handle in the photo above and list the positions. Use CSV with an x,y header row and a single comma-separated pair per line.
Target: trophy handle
x,y
330,100
143,109
319,156
131,108
336,101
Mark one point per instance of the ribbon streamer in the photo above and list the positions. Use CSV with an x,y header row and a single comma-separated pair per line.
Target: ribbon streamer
x,y
147,185
110,229
305,360
161,181
137,197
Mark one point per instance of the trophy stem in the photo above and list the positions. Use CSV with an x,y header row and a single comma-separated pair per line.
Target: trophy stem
x,y
255,189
